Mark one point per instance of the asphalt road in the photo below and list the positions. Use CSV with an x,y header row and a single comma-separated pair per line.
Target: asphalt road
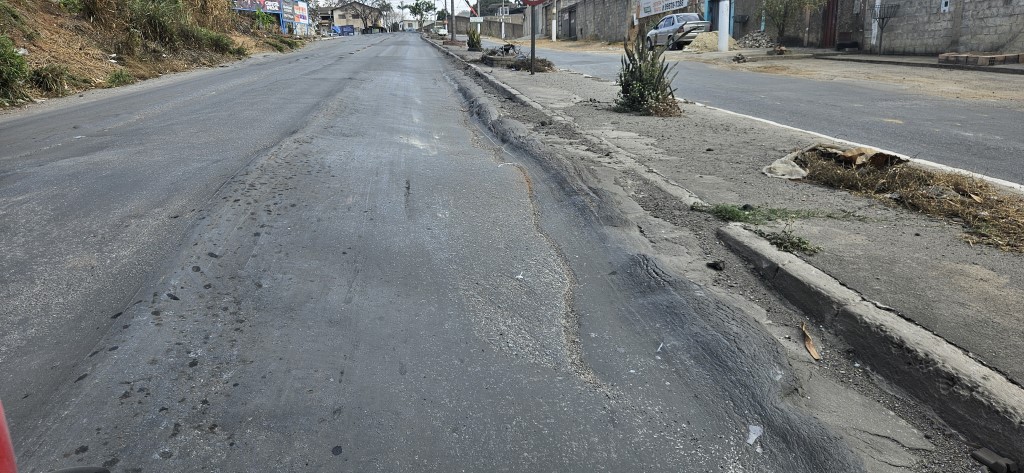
x,y
316,261
976,136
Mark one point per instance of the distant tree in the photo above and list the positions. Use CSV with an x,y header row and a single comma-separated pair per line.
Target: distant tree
x,y
370,13
779,13
419,9
442,15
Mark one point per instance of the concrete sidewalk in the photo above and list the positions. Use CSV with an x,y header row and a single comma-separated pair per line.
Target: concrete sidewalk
x,y
961,301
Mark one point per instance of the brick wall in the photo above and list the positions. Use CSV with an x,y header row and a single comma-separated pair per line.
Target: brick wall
x,y
922,27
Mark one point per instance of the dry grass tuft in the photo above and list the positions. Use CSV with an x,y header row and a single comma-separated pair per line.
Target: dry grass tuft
x,y
540,65
989,216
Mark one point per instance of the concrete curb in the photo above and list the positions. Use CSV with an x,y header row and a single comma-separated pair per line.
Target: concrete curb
x,y
974,399
978,401
501,127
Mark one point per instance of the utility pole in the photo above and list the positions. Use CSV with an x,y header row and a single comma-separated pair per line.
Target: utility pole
x,y
554,21
723,25
533,37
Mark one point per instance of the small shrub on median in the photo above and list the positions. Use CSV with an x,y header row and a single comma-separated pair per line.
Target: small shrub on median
x,y
645,81
474,43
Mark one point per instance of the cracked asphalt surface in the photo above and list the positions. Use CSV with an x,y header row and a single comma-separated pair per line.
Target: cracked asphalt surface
x,y
317,261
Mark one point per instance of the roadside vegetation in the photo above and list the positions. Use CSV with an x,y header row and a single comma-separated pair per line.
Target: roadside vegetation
x,y
13,72
784,240
539,65
645,81
52,48
989,216
474,42
754,215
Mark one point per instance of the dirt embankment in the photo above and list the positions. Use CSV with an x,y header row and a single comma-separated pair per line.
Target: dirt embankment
x,y
64,33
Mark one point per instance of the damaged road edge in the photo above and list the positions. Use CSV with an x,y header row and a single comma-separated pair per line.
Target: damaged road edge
x,y
974,399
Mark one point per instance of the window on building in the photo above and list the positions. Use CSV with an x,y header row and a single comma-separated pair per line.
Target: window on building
x,y
945,6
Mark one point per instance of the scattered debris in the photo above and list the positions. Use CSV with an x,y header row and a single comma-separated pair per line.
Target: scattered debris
x,y
717,265
786,168
540,65
993,461
739,58
980,59
755,40
520,275
808,342
861,156
707,42
989,215
753,433
778,51
659,348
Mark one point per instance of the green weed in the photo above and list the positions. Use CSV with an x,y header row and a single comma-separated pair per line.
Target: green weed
x,y
787,241
754,215
274,44
13,72
73,7
120,77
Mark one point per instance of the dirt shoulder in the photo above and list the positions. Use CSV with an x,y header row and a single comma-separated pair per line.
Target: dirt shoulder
x,y
48,34
918,265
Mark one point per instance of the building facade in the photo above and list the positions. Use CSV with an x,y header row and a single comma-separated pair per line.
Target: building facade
x,y
905,27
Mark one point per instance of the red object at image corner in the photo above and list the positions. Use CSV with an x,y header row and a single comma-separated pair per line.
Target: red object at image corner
x,y
6,448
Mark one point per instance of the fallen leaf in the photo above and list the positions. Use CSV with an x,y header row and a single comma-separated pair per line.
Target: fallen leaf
x,y
808,342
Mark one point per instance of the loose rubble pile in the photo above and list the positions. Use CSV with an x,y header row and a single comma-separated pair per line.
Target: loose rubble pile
x,y
707,42
756,40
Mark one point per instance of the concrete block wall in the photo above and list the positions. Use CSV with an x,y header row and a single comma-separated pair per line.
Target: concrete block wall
x,y
514,28
921,27
603,20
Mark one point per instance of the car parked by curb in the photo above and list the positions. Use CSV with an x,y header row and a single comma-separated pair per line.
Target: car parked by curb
x,y
677,30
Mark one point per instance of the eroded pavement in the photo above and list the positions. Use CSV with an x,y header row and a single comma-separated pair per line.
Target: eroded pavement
x,y
658,167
